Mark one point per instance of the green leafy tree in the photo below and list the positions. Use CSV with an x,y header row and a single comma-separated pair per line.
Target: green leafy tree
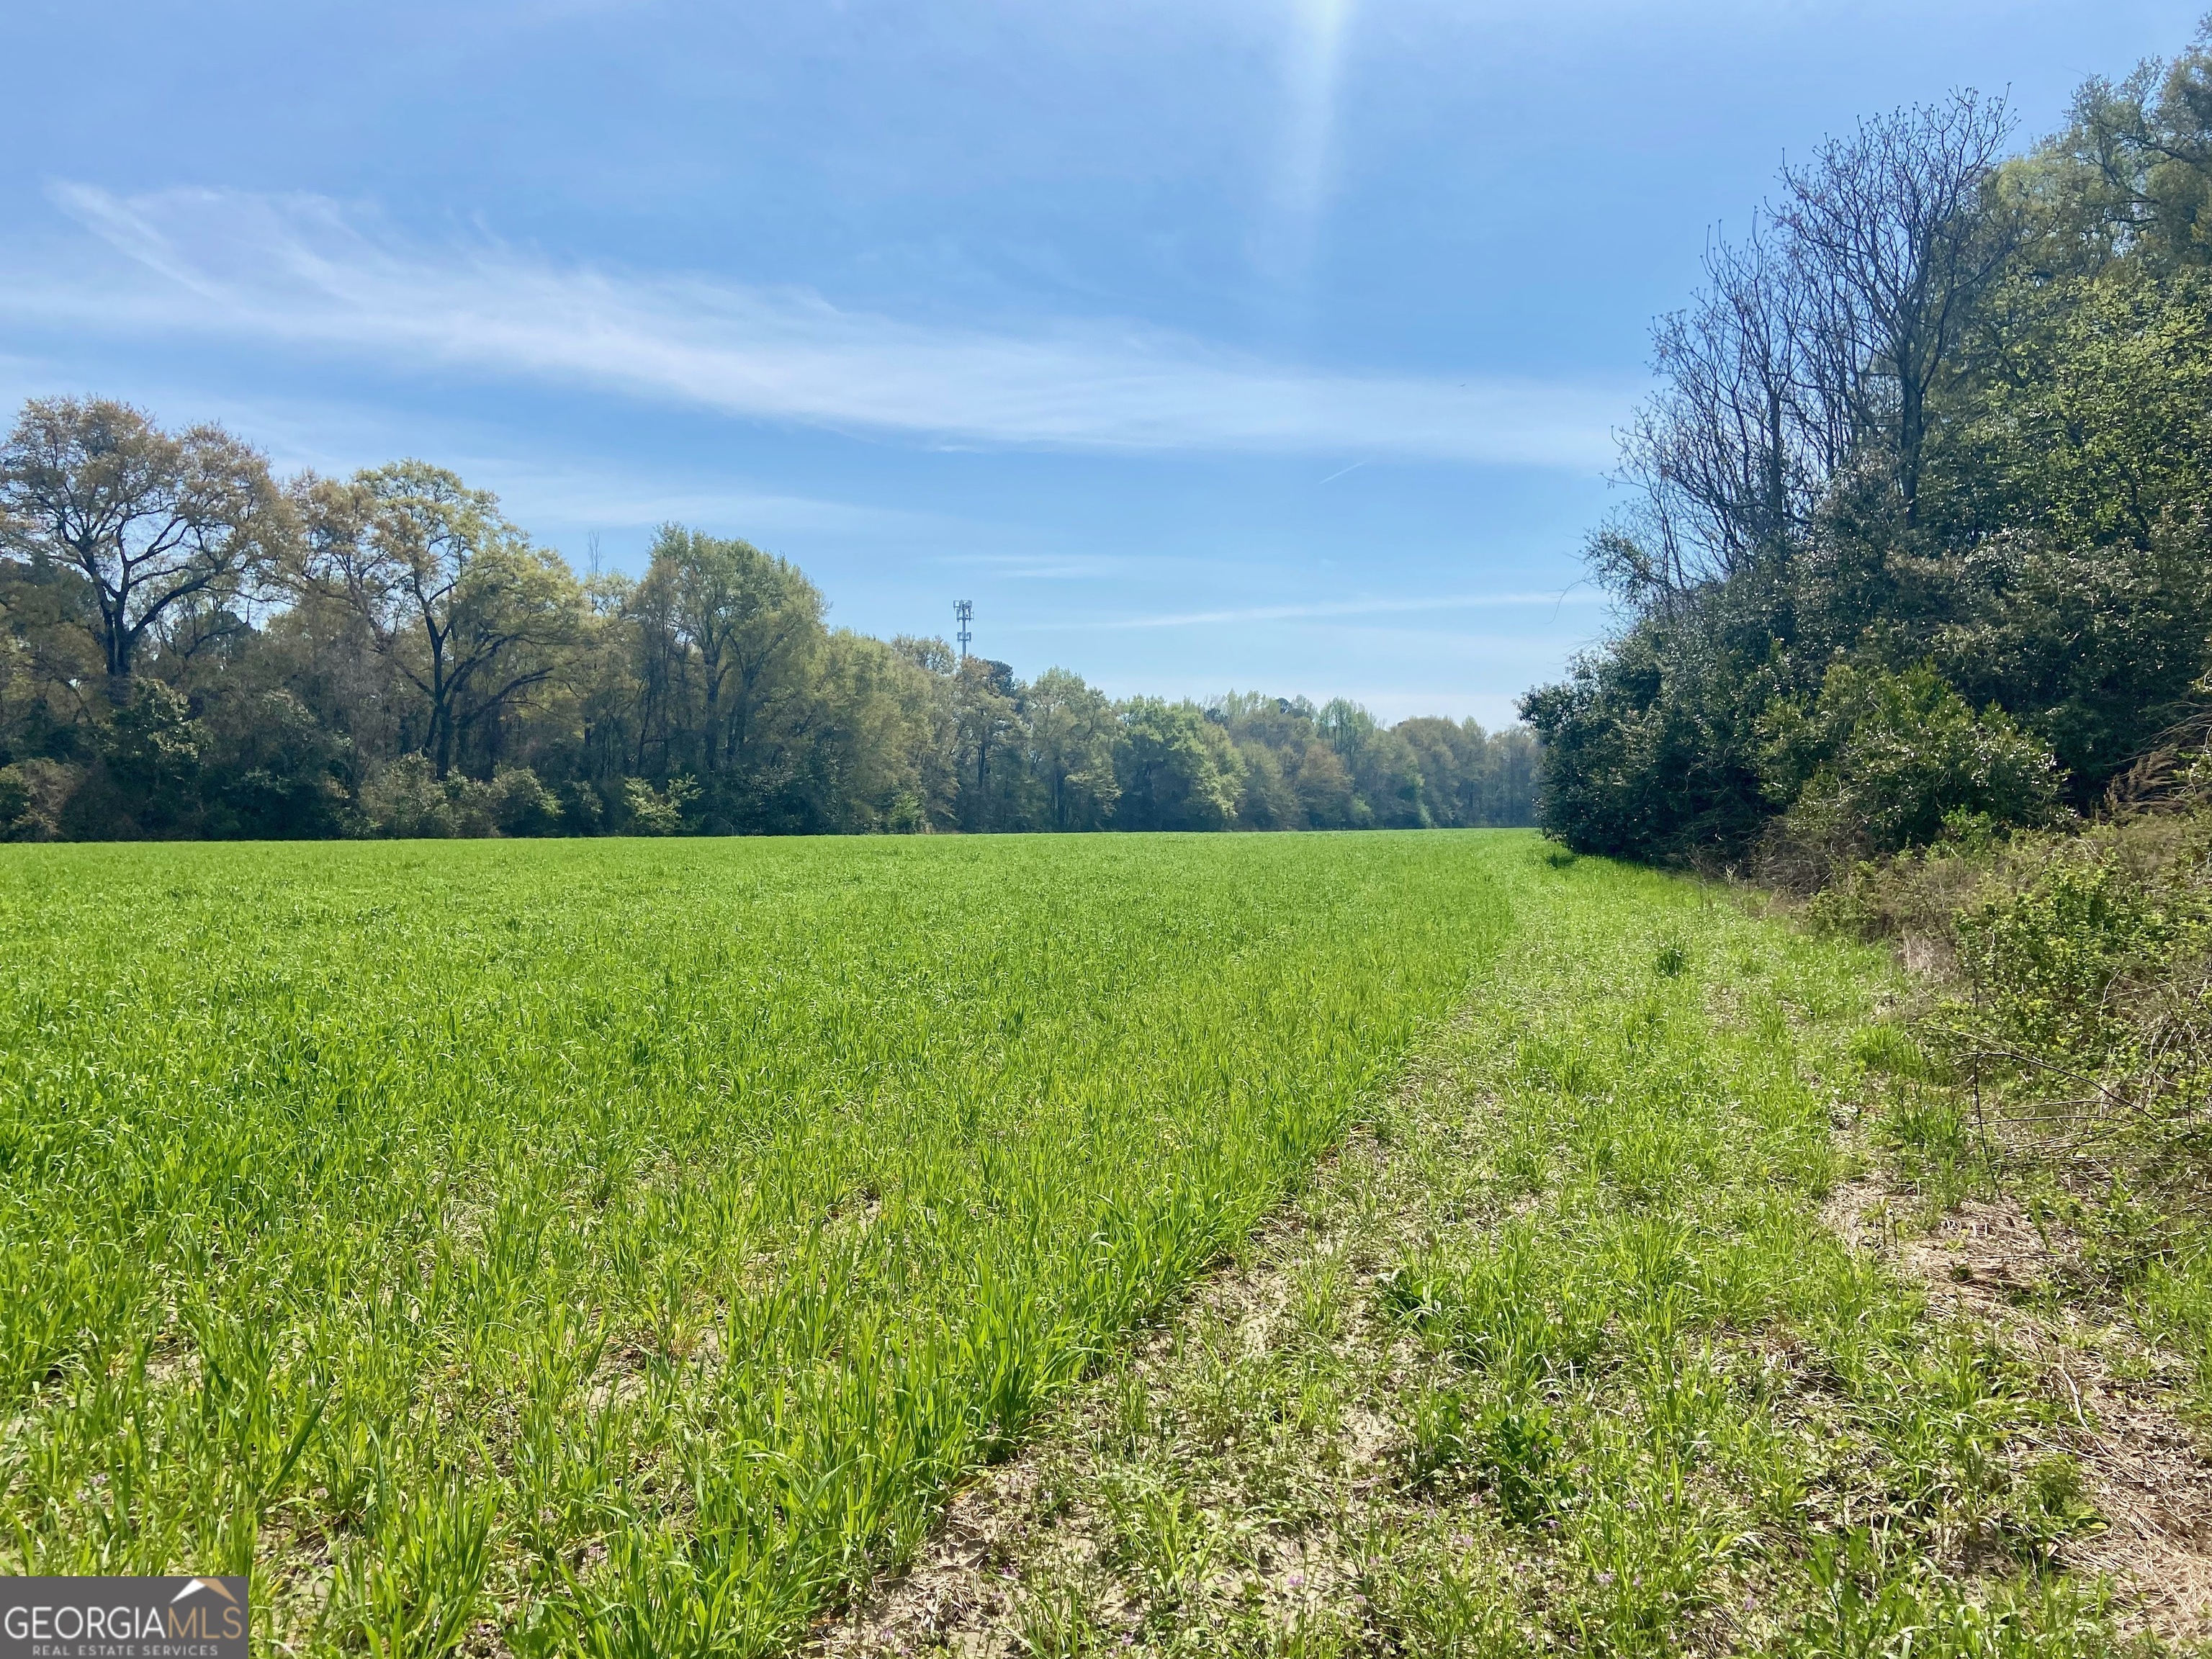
x,y
1267,800
152,748
1177,769
271,770
1323,786
456,598
990,727
873,759
730,640
52,672
154,522
2141,155
420,668
34,799
1072,730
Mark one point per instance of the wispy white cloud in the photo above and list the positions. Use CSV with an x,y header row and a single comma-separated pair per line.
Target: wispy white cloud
x,y
616,499
1326,609
302,272
1046,566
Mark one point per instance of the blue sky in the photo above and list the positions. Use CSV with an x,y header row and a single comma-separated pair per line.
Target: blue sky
x,y
1266,344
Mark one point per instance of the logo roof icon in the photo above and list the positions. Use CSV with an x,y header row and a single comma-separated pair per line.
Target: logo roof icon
x,y
193,1584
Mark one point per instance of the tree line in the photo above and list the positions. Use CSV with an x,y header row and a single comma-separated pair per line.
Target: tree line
x,y
189,647
1919,549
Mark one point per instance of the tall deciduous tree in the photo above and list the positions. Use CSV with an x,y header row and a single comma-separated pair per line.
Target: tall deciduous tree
x,y
1071,736
154,522
1177,769
747,631
470,613
2145,146
987,719
1893,245
1815,347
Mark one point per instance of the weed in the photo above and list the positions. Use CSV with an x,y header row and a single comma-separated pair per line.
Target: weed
x,y
1056,1623
1505,1440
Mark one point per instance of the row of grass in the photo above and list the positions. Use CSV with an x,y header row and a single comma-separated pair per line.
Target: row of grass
x,y
1569,1355
620,1248
1692,1412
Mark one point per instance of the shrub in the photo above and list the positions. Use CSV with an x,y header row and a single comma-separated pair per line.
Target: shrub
x,y
658,811
1646,749
2060,956
1882,760
272,771
517,805
582,811
34,794
2082,968
407,800
152,752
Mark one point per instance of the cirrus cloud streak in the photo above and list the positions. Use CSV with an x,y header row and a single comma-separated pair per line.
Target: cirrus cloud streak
x,y
303,272
1326,609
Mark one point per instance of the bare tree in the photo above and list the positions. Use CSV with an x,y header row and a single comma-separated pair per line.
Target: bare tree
x,y
1891,245
1730,453
1814,345
154,523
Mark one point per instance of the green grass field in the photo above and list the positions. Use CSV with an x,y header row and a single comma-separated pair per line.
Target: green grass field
x,y
623,1246
1566,1354
629,1248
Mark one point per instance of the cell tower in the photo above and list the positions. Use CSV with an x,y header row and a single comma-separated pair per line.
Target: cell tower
x,y
963,612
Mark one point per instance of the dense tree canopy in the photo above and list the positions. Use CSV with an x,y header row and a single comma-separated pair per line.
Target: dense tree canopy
x,y
187,649
1920,546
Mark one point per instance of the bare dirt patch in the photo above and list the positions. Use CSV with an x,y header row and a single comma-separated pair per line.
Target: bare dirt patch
x,y
2146,1470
